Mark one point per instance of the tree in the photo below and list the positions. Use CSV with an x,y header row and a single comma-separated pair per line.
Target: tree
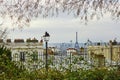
x,y
3,33
22,11
8,70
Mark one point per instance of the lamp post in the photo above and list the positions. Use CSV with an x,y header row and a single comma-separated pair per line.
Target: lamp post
x,y
111,52
46,39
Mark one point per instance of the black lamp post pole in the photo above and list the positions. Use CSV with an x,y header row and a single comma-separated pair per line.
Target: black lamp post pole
x,y
70,62
111,52
46,56
46,39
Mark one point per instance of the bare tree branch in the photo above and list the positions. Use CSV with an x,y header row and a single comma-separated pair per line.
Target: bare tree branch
x,y
21,11
3,33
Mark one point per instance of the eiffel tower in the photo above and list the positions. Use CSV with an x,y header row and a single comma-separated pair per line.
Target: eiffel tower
x,y
76,43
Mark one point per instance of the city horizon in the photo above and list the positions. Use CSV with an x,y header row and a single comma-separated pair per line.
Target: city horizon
x,y
64,30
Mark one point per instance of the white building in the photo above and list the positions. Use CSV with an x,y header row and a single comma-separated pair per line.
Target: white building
x,y
71,51
105,54
28,53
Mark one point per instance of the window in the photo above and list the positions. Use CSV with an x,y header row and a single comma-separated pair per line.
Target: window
x,y
35,56
16,57
22,56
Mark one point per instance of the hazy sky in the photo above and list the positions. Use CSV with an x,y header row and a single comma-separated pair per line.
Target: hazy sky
x,y
63,29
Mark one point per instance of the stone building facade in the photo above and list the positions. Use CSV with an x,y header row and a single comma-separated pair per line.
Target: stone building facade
x,y
28,53
101,55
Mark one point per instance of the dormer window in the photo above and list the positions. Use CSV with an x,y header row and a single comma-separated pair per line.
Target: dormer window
x,y
32,40
1,40
8,40
19,40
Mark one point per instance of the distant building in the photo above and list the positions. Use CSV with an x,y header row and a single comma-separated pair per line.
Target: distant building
x,y
55,50
71,51
102,54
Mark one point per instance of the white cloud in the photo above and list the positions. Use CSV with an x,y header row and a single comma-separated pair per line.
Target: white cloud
x,y
62,29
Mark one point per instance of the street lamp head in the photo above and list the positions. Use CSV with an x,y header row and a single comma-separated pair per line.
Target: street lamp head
x,y
46,37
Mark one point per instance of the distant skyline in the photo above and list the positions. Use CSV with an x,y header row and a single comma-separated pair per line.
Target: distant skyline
x,y
63,29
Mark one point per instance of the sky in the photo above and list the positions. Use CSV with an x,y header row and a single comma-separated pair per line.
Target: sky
x,y
63,29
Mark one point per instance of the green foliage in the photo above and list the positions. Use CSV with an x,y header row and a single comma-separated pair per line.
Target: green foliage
x,y
34,56
5,53
92,74
9,71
